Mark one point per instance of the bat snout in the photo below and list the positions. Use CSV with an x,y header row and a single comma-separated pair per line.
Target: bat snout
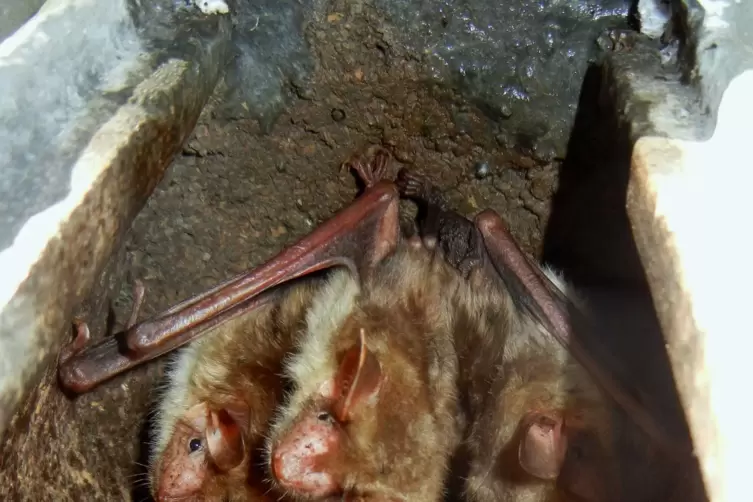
x,y
297,470
300,474
299,463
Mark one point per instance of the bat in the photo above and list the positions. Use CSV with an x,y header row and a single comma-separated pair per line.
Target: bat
x,y
220,393
373,412
356,237
540,422
205,430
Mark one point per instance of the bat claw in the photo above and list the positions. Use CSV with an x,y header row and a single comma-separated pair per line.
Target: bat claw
x,y
371,167
138,298
449,235
413,185
467,264
78,344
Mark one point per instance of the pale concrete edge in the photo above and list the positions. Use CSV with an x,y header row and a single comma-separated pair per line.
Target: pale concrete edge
x,y
37,315
684,112
658,253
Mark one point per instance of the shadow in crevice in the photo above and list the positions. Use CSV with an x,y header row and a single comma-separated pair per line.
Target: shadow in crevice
x,y
589,239
588,234
140,487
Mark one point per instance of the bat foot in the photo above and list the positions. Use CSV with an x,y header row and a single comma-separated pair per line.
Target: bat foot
x,y
371,167
78,344
413,185
468,264
451,236
415,242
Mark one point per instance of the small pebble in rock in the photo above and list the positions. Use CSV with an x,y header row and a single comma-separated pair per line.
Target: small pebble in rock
x,y
481,170
338,115
212,6
206,257
306,93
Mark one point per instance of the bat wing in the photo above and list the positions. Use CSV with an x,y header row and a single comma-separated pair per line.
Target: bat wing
x,y
488,243
559,315
356,237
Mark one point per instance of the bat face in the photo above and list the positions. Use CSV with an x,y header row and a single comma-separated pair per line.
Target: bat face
x,y
185,464
221,393
373,415
205,443
539,426
549,453
306,460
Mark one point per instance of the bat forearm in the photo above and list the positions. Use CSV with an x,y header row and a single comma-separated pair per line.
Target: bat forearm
x,y
356,237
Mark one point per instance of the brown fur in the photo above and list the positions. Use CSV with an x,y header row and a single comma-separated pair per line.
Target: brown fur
x,y
399,448
241,361
452,350
509,366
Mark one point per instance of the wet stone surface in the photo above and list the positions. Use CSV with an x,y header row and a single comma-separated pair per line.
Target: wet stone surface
x,y
521,62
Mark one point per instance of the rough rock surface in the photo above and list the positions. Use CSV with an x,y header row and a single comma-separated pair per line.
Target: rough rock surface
x,y
87,132
521,62
234,198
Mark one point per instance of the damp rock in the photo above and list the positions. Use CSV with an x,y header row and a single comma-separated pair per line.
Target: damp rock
x,y
520,61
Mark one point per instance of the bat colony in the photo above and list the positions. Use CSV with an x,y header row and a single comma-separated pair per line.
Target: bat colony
x,y
390,367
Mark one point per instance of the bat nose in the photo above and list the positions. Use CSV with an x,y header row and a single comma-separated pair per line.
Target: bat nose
x,y
299,474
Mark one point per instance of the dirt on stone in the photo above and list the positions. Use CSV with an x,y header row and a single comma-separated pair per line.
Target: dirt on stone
x,y
235,197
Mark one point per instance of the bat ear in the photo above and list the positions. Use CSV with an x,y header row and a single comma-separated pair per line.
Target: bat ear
x,y
543,445
224,440
358,378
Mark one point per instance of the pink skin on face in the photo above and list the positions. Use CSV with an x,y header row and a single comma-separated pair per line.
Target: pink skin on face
x,y
184,470
297,459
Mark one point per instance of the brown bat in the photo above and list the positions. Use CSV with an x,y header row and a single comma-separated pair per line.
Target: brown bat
x,y
357,237
373,411
374,407
217,400
220,393
540,428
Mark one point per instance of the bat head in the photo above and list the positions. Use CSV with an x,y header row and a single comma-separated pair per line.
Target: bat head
x,y
564,449
206,445
309,457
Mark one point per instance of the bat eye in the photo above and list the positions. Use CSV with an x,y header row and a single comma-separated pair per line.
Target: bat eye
x,y
324,416
194,445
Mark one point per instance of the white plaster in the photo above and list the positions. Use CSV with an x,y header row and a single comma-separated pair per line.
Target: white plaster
x,y
654,16
714,12
706,203
17,260
212,6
